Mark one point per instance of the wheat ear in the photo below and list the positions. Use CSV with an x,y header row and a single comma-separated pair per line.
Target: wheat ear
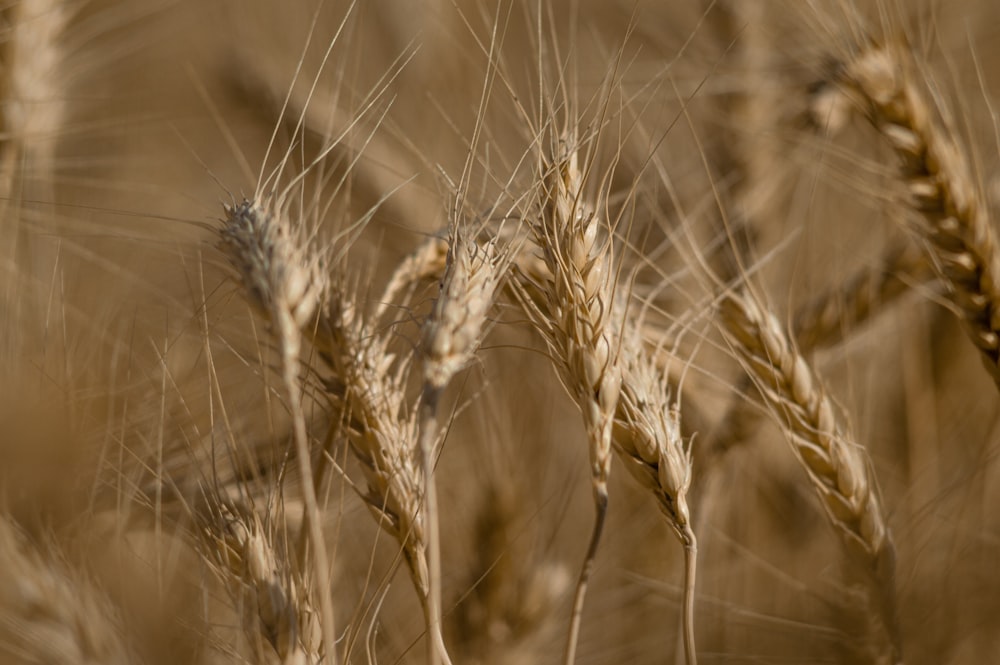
x,y
282,277
574,315
451,336
647,437
935,170
49,614
829,318
836,466
259,577
367,392
33,90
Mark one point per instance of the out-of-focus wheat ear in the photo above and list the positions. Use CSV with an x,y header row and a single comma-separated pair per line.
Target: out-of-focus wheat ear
x,y
647,438
33,89
33,92
575,317
832,316
451,336
952,215
241,552
282,277
509,611
836,465
51,614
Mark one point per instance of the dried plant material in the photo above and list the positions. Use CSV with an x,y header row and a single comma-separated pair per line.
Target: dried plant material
x,y
368,395
456,324
647,436
281,276
575,319
452,334
836,465
262,580
51,614
276,267
833,315
936,173
426,263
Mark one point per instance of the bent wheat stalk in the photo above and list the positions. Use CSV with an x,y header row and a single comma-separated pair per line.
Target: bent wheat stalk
x,y
836,466
934,167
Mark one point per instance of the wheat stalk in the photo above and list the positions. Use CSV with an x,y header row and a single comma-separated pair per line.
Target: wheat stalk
x,y
836,466
935,170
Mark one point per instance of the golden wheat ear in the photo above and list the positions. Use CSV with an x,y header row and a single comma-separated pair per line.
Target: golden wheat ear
x,y
836,465
934,167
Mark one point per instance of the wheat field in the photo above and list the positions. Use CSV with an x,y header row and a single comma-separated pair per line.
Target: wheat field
x,y
499,331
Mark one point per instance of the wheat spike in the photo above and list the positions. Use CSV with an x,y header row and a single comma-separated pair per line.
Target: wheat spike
x,y
934,167
837,467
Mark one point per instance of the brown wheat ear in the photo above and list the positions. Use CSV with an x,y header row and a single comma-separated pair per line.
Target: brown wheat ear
x,y
835,464
575,317
935,169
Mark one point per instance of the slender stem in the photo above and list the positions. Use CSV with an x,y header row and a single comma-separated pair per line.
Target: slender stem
x,y
290,342
690,574
601,511
436,650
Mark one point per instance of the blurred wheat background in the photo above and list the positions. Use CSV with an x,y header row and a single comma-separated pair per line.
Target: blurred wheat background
x,y
750,242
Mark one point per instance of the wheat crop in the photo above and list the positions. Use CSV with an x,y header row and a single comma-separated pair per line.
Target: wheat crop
x,y
499,332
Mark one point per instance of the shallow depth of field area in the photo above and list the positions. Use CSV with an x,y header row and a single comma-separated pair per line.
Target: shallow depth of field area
x,y
499,331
